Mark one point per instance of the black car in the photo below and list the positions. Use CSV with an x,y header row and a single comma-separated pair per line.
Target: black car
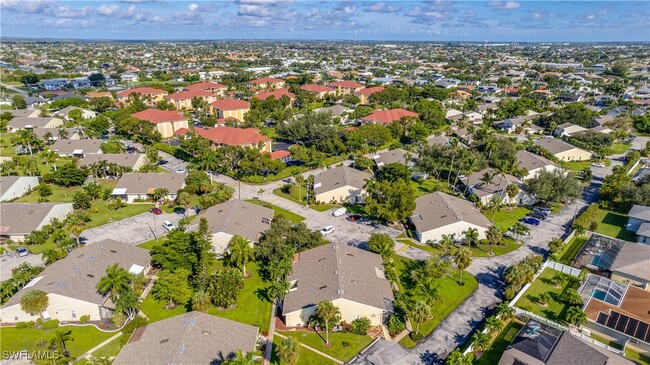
x,y
162,162
538,215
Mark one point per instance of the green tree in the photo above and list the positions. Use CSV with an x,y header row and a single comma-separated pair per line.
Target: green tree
x,y
60,338
419,312
81,201
173,286
241,252
553,186
493,324
34,301
382,244
505,312
69,175
44,190
18,102
224,286
116,281
481,341
390,200
519,229
360,326
456,357
494,237
462,258
241,359
393,172
287,351
201,301
327,312
471,236
160,193
575,315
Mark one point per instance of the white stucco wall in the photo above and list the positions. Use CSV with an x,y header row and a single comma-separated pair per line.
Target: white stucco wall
x,y
574,154
59,211
455,229
21,187
220,242
350,311
59,307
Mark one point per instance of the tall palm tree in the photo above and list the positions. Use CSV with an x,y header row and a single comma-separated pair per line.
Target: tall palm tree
x,y
493,205
420,311
30,165
241,359
471,236
241,252
453,151
575,315
28,138
60,338
480,341
428,288
115,282
462,258
446,242
34,301
493,236
49,156
505,312
494,324
328,312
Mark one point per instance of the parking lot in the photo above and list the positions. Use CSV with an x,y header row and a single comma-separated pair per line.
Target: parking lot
x,y
173,163
134,230
10,260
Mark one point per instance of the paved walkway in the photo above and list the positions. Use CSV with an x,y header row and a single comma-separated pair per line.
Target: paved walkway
x,y
88,354
314,350
268,352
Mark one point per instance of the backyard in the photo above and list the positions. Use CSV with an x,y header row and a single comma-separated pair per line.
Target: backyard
x,y
506,218
500,344
344,345
293,217
305,356
426,186
612,224
556,309
571,249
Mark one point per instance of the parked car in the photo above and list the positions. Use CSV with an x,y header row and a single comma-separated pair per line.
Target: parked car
x,y
531,221
538,215
156,211
327,230
162,162
168,225
339,212
180,171
598,164
353,217
542,210
22,252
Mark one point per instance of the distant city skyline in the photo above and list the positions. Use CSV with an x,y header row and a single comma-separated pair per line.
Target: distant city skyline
x,y
496,20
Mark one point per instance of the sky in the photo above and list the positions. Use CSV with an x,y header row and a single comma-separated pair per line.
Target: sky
x,y
493,20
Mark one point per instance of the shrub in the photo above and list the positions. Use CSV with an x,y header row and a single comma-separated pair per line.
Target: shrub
x,y
416,336
345,344
84,318
509,293
136,322
360,326
53,323
593,226
395,325
25,324
39,321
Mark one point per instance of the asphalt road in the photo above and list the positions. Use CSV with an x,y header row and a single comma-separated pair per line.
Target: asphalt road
x,y
10,261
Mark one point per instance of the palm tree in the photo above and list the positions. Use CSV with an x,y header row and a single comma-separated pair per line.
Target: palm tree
x,y
28,138
493,205
115,282
428,288
494,236
487,177
493,324
241,252
576,316
201,301
209,163
456,357
287,351
30,165
453,151
490,144
505,312
34,301
471,235
419,312
60,338
63,133
480,341
519,229
446,242
159,193
462,258
241,359
512,190
328,312
76,223
49,156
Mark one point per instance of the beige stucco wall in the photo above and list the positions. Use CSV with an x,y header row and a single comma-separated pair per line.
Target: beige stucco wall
x,y
574,154
54,123
20,188
59,211
455,229
59,307
220,242
532,173
344,193
237,114
350,311
142,160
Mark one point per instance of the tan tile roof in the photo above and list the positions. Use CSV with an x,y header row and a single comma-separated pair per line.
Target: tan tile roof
x,y
438,209
159,116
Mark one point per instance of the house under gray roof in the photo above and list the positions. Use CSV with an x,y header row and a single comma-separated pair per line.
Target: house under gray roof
x,y
23,218
338,271
70,146
438,209
531,161
393,156
338,177
553,145
146,183
190,338
129,160
640,212
238,217
633,259
24,122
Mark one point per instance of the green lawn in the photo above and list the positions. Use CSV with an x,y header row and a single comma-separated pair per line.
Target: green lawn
x,y
605,341
305,357
505,218
556,309
500,344
155,310
293,217
424,187
296,195
6,148
571,249
613,225
112,348
619,148
484,250
635,356
151,244
18,339
576,166
323,207
338,350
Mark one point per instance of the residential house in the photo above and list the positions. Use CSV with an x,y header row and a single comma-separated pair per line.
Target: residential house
x,y
183,99
241,137
231,108
218,90
337,111
133,161
267,83
567,130
437,140
495,187
638,221
438,213
236,218
488,89
364,94
630,266
533,164
346,87
167,121
142,186
21,219
351,278
602,129
149,95
13,187
562,150
341,184
540,344
388,116
486,107
77,147
54,134
453,115
394,156
600,120
464,135
129,77
319,90
190,338
71,283
54,84
277,94
65,113
19,123
81,83
24,113
98,94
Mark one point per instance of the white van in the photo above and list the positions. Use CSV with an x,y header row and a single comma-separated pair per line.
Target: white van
x,y
339,212
327,230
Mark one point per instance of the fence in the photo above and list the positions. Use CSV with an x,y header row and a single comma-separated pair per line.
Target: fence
x,y
563,268
597,343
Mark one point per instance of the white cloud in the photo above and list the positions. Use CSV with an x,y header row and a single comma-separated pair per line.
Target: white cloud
x,y
504,5
31,7
591,17
107,9
381,7
349,9
192,7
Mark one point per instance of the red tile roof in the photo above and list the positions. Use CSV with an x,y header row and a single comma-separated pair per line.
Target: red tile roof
x,y
159,116
142,91
276,155
346,84
370,90
314,88
205,86
278,94
387,116
190,94
230,104
266,80
229,135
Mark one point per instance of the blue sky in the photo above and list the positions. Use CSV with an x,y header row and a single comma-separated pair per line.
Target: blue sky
x,y
496,20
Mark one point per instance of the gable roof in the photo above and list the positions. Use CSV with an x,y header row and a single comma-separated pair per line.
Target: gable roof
x,y
229,135
189,94
632,259
238,217
205,86
392,156
554,146
315,88
338,177
338,271
159,116
142,91
336,110
145,183
369,90
278,94
531,161
388,116
120,159
346,84
190,338
438,209
640,212
7,181
266,80
23,218
38,122
497,184
77,275
68,146
230,104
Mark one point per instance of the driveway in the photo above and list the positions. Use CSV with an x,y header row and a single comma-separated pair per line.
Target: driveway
x,y
133,230
10,261
173,163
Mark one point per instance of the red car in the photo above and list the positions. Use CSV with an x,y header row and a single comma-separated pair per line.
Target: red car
x,y
353,217
156,211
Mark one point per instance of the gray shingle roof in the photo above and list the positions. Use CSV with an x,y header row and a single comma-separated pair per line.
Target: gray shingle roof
x,y
633,259
553,145
67,146
145,183
498,182
640,212
6,182
77,275
338,271
22,122
438,209
338,177
121,159
41,132
531,161
23,218
393,156
190,338
238,217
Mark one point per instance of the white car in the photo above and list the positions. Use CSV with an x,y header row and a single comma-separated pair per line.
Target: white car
x,y
339,212
327,230
22,252
180,171
598,164
168,225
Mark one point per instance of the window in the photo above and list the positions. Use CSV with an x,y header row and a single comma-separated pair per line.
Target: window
x,y
293,285
74,315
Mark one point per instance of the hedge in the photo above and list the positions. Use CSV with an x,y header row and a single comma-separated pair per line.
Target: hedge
x,y
585,218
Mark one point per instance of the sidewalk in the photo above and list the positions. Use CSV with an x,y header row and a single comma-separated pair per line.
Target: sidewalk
x,y
314,350
88,353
